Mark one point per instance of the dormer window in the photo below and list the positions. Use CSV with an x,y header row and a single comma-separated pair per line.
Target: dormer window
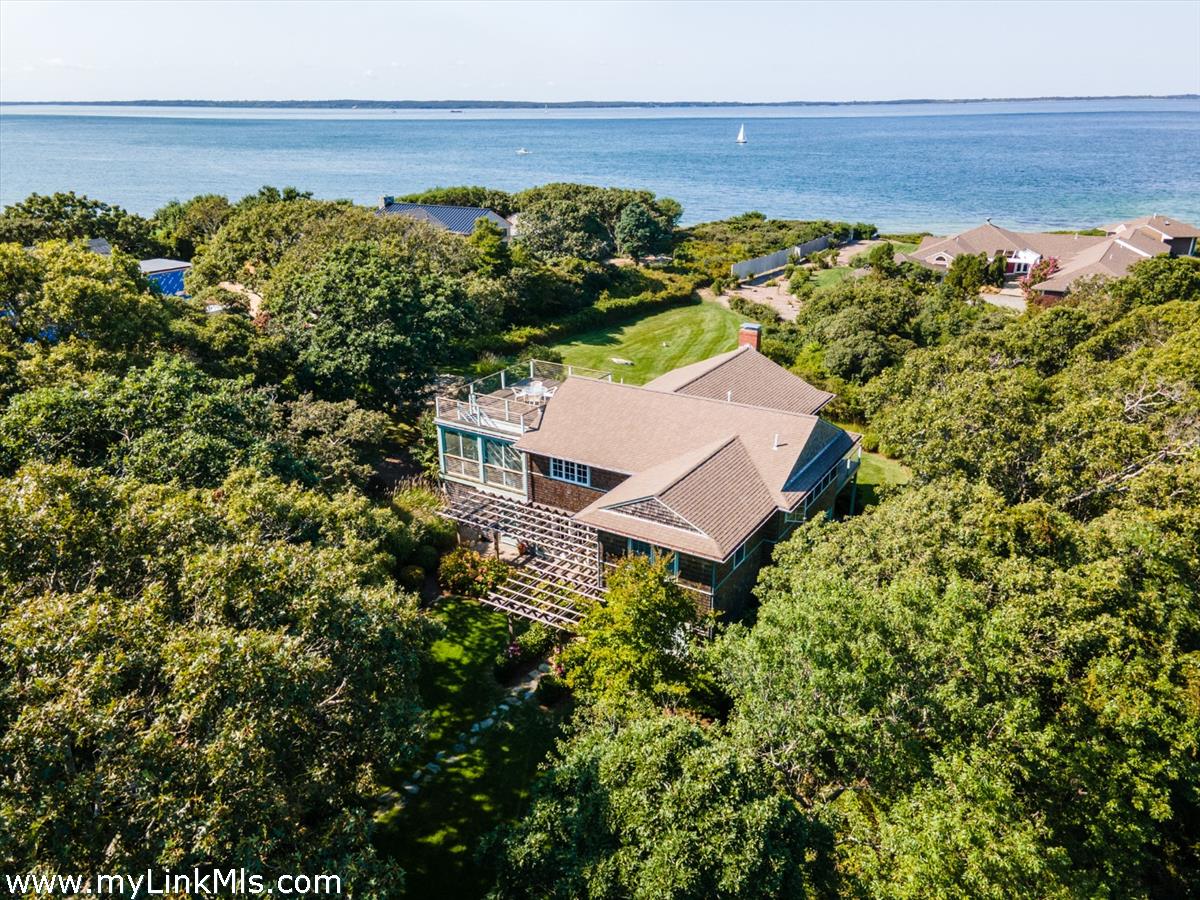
x,y
573,472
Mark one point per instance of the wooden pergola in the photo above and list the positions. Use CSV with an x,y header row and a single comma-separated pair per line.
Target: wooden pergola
x,y
559,575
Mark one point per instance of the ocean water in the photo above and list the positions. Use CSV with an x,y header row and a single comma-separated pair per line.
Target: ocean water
x,y
1038,164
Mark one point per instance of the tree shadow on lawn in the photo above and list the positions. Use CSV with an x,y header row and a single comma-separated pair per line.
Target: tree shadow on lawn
x,y
459,685
436,837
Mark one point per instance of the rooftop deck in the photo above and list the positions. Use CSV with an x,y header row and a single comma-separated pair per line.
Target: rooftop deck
x,y
511,400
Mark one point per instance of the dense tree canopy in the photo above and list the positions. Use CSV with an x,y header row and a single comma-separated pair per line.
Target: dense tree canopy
x,y
661,807
70,216
191,677
183,227
367,323
638,646
985,686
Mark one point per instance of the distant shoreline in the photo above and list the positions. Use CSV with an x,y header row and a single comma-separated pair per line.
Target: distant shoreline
x,y
567,104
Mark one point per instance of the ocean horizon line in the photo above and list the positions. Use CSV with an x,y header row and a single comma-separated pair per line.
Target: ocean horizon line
x,y
345,103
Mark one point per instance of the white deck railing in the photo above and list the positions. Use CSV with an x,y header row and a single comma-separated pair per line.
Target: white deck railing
x,y
510,400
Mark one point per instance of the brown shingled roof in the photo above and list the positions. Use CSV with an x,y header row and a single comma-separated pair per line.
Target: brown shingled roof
x,y
745,376
718,466
722,498
1172,228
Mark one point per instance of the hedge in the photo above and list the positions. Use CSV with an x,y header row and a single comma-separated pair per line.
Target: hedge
x,y
678,290
759,312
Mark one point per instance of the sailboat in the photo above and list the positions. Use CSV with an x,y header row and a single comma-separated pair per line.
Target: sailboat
x,y
742,135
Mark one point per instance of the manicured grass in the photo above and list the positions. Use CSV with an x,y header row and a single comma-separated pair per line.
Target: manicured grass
x,y
459,686
826,277
435,836
875,471
657,343
904,246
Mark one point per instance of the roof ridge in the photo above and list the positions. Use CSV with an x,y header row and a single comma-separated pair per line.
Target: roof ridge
x,y
441,205
717,445
698,397
729,355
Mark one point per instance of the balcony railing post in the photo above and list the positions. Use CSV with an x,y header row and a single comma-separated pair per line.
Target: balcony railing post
x,y
503,386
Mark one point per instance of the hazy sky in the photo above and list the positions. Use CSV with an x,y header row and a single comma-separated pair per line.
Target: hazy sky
x,y
595,51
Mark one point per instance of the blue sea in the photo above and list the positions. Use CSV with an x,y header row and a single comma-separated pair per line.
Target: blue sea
x,y
937,167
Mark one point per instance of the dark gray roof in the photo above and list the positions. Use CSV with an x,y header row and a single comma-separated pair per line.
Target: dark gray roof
x,y
99,245
458,219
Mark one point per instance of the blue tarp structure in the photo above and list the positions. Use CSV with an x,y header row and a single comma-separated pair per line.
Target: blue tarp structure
x,y
165,275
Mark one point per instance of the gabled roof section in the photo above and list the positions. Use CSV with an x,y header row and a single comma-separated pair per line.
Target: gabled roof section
x,y
458,219
155,266
1164,225
629,429
744,376
712,504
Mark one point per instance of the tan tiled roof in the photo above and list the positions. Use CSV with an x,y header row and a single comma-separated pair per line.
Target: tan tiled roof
x,y
1145,241
722,467
745,376
1163,224
722,498
1110,259
1062,246
989,239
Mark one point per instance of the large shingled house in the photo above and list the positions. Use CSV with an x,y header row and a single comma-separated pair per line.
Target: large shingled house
x,y
1079,256
710,464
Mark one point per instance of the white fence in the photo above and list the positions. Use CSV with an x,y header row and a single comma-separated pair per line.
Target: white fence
x,y
751,267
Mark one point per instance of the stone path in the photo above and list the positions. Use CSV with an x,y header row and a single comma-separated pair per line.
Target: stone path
x,y
522,692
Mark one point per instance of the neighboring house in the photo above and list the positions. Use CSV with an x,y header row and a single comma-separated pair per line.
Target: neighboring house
x,y
165,275
455,219
100,246
1078,256
711,465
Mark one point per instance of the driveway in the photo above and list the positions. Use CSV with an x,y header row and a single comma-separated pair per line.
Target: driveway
x,y
1008,298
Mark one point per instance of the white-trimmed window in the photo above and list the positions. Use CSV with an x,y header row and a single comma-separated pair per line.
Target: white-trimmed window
x,y
502,464
460,454
565,470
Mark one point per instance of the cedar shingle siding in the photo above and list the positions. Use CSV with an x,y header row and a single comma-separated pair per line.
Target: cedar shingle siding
x,y
562,494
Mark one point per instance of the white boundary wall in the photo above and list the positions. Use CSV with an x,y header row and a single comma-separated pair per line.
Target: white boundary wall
x,y
751,267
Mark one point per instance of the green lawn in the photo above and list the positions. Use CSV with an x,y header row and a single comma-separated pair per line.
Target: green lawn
x,y
459,686
874,471
657,343
437,834
825,277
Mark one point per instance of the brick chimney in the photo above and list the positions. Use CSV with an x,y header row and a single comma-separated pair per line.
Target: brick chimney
x,y
750,335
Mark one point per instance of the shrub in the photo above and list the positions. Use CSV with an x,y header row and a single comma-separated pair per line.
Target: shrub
x,y
412,578
441,533
463,571
800,285
759,312
551,689
530,645
673,290
426,557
